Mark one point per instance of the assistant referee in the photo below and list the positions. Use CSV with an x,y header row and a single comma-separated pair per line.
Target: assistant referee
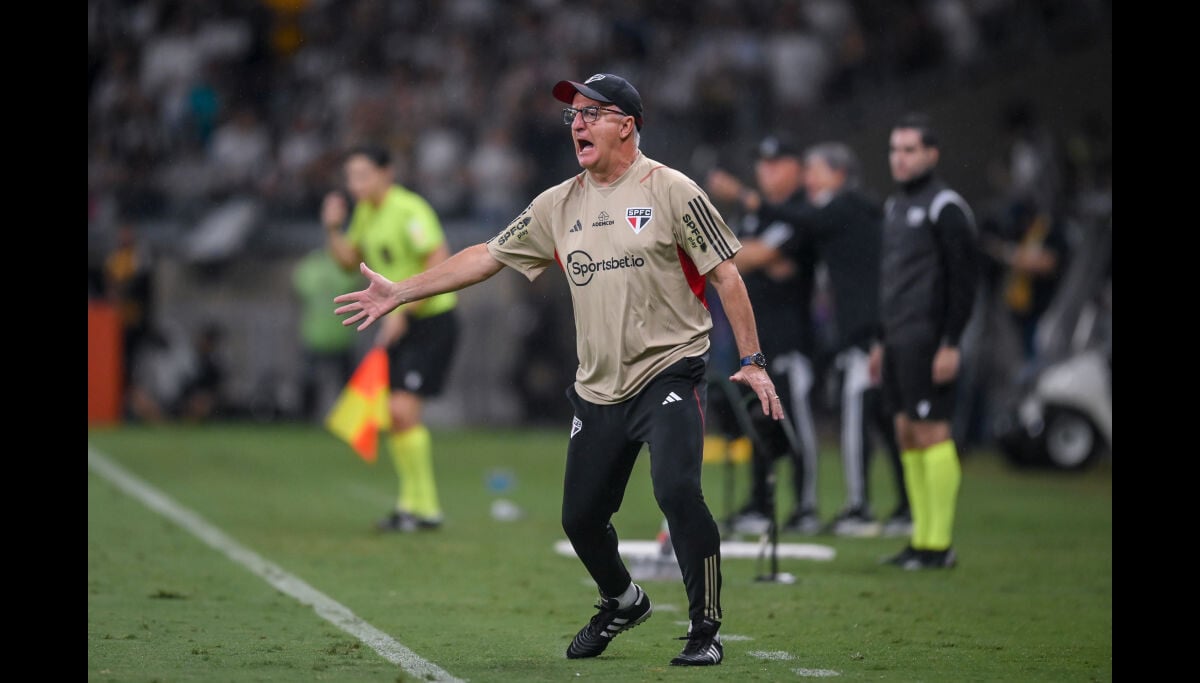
x,y
928,281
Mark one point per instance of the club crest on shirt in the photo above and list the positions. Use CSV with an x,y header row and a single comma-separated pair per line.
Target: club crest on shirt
x,y
638,217
916,216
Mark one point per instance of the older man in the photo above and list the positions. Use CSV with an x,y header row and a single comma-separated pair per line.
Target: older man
x,y
638,242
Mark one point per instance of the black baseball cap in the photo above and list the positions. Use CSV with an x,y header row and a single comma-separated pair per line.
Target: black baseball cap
x,y
776,146
604,88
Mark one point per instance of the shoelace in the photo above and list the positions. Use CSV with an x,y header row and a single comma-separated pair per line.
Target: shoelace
x,y
593,625
695,639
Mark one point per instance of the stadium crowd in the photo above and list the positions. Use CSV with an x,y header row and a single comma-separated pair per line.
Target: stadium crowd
x,y
193,102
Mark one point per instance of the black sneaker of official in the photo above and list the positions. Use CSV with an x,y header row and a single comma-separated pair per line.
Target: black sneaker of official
x,y
901,558
898,525
803,522
428,523
932,559
750,521
703,645
406,522
855,523
609,622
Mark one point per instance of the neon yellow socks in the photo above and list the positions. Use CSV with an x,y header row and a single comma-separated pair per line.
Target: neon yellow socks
x,y
932,478
412,453
918,500
943,473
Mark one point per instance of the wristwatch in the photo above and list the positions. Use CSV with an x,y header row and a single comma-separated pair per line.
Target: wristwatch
x,y
758,359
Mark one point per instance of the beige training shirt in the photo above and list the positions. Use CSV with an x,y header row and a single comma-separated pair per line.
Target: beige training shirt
x,y
635,255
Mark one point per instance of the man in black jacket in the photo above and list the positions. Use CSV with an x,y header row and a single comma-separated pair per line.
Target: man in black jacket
x,y
929,278
842,224
782,296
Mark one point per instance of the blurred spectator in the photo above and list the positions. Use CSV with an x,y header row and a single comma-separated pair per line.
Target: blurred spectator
x,y
171,56
240,153
498,174
798,60
177,378
958,31
1023,236
201,108
303,166
1030,170
438,153
129,286
1027,247
201,397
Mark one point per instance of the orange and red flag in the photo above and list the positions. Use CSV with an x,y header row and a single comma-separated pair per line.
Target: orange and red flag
x,y
361,410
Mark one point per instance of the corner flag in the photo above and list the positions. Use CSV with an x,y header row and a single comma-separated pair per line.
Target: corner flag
x,y
361,410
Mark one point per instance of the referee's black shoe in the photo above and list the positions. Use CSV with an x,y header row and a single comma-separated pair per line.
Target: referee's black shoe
x,y
406,522
609,621
901,558
703,647
932,559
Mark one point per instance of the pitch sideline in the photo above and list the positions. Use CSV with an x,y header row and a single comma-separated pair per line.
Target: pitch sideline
x,y
328,608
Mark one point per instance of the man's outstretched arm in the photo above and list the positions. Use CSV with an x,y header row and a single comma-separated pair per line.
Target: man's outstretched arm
x,y
469,266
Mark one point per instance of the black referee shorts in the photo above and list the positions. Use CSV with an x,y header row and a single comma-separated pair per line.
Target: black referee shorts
x,y
908,383
420,361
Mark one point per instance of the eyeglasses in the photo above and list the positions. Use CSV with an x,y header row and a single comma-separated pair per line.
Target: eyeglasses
x,y
591,114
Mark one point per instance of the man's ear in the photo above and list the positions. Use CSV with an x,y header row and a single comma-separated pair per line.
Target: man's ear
x,y
627,127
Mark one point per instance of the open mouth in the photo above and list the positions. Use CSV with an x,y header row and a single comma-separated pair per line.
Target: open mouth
x,y
584,145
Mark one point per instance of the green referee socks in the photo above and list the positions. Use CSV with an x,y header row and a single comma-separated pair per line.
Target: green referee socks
x,y
932,477
943,473
918,501
412,452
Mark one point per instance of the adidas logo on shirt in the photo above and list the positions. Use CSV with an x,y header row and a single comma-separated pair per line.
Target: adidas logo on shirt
x,y
671,398
577,227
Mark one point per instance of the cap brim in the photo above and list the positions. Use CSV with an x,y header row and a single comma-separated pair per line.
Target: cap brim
x,y
564,91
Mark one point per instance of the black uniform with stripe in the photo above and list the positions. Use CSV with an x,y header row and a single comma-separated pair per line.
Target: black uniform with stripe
x,y
928,282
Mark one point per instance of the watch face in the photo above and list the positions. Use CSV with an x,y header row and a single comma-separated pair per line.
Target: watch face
x,y
759,359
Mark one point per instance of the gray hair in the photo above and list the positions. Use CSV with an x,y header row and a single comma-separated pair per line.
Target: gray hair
x,y
839,157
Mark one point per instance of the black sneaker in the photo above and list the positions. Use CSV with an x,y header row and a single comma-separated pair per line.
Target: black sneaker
x,y
856,523
803,522
607,624
750,521
703,645
901,558
406,522
898,525
932,559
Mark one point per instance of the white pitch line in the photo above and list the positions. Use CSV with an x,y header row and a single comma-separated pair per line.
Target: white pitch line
x,y
329,609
